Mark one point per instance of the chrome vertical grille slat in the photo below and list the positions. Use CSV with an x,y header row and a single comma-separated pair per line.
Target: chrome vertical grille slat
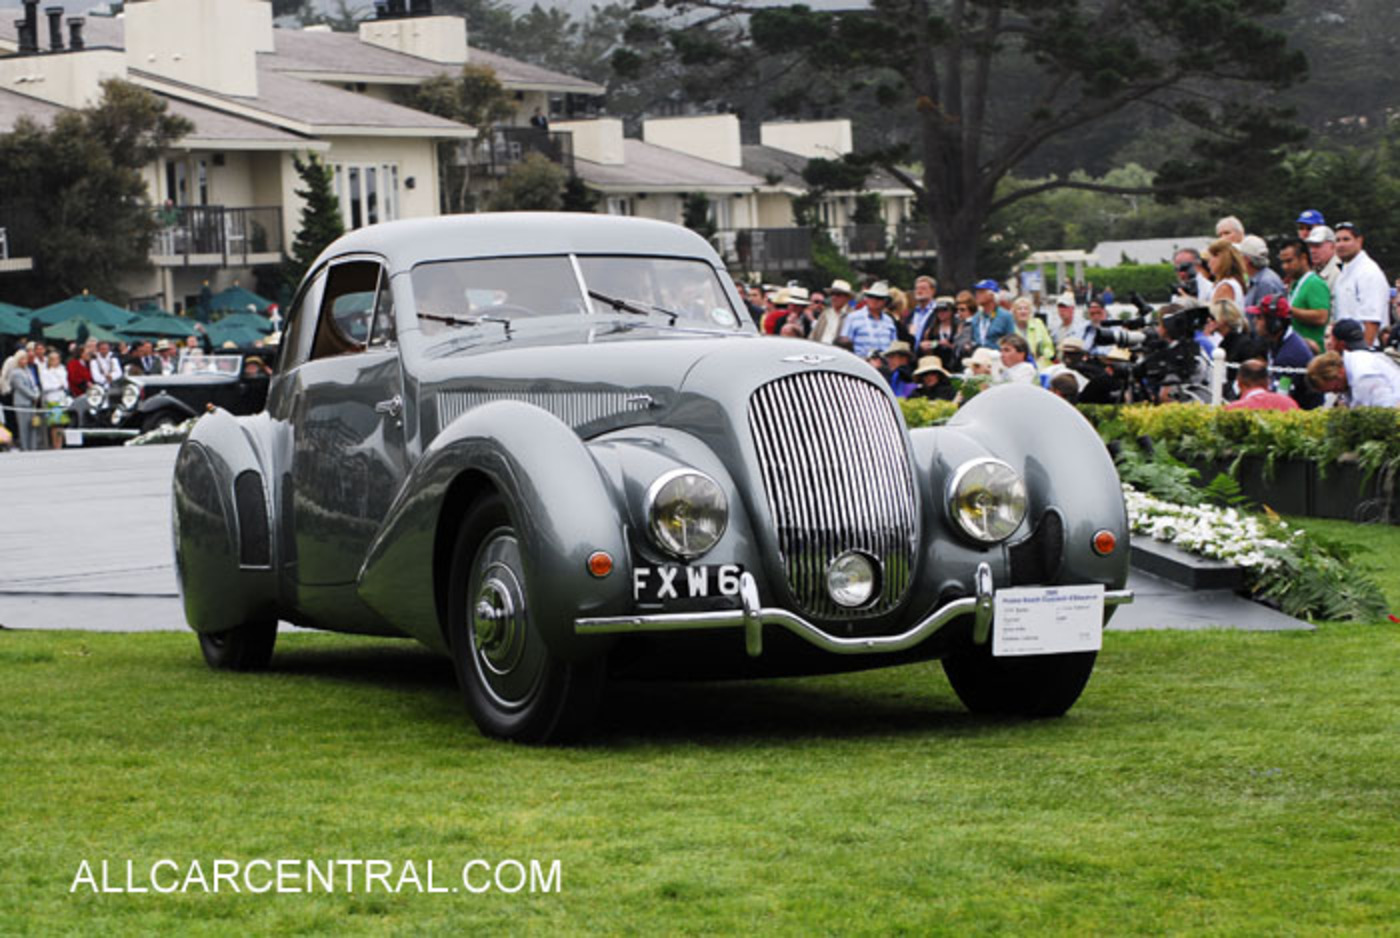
x,y
836,476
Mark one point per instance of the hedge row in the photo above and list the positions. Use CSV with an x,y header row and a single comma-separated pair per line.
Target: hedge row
x,y
1368,436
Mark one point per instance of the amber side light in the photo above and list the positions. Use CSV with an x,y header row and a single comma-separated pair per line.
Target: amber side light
x,y
1104,543
600,563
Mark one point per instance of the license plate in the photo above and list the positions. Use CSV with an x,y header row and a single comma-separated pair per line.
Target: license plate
x,y
1048,620
663,582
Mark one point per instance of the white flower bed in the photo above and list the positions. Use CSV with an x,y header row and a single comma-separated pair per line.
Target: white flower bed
x,y
1220,533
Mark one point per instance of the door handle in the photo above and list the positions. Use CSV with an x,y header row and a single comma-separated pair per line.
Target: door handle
x,y
393,406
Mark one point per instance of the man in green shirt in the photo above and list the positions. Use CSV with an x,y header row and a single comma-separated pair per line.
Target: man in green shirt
x,y
1308,293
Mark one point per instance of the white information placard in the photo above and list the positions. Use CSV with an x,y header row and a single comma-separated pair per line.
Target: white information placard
x,y
1047,620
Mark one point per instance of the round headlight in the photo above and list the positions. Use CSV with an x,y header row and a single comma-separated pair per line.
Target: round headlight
x,y
850,579
130,395
686,512
988,499
96,396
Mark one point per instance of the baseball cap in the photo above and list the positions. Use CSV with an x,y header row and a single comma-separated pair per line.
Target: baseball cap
x,y
1320,234
1254,248
1311,217
1065,299
986,285
1350,333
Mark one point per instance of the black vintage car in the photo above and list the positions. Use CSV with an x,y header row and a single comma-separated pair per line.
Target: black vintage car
x,y
233,380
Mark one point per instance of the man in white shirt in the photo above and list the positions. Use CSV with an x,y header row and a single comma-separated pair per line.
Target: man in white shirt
x,y
105,366
1066,324
1368,379
1361,292
1015,369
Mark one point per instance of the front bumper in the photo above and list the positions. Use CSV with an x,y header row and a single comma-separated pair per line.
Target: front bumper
x,y
751,617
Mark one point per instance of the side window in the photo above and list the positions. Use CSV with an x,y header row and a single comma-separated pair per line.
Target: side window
x,y
347,308
384,331
301,325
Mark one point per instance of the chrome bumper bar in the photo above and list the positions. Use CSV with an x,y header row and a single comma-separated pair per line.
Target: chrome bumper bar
x,y
751,617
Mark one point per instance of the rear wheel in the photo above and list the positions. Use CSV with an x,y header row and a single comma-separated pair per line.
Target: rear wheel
x,y
1029,686
513,686
243,648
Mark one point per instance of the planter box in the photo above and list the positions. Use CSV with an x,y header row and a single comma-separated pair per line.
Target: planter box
x,y
1341,495
1288,492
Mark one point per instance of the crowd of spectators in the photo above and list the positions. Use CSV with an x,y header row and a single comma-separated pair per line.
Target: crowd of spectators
x,y
1313,329
39,380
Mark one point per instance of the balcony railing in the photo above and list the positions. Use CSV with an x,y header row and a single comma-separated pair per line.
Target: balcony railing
x,y
17,229
498,149
779,249
214,235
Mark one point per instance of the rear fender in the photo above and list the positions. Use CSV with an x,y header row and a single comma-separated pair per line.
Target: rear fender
x,y
224,533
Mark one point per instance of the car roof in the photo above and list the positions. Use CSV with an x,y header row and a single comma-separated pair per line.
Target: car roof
x,y
504,234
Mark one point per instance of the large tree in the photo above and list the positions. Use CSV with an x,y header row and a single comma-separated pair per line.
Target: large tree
x,y
78,185
980,87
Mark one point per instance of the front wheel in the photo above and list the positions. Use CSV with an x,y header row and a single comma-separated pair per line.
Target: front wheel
x,y
513,686
1029,686
243,648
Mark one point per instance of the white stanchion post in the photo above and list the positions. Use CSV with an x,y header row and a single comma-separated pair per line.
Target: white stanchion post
x,y
1217,377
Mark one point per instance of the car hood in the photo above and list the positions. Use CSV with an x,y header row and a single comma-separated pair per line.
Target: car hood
x,y
610,375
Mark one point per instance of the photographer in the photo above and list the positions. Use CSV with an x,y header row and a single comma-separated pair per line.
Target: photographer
x,y
1193,284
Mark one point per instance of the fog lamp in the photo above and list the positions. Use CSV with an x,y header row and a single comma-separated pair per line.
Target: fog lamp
x,y
851,579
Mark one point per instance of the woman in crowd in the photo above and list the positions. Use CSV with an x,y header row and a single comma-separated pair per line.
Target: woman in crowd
x,y
1030,328
1228,270
53,386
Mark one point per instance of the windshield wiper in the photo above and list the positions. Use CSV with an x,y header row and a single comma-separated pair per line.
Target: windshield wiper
x,y
467,320
636,308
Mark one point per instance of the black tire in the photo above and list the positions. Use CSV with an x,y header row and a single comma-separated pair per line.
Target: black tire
x,y
245,648
1032,686
161,418
514,688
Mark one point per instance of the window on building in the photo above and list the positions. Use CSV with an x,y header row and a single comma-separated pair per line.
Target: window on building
x,y
368,193
619,205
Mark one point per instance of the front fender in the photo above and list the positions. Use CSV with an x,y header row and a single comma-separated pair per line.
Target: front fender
x,y
558,500
225,548
164,401
1066,469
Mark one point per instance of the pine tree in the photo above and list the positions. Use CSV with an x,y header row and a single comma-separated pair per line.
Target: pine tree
x,y
320,217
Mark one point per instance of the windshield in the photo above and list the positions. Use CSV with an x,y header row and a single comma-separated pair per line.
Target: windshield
x,y
517,288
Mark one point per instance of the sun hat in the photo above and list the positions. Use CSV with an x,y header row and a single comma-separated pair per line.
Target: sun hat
x,y
929,364
879,290
839,286
982,356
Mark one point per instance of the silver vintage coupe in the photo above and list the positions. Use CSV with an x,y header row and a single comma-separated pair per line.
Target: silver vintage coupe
x,y
553,448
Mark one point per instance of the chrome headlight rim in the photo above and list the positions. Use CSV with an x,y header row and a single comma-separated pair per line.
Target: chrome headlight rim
x,y
960,477
874,571
657,532
130,396
95,396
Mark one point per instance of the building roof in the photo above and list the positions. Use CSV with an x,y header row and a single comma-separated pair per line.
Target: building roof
x,y
332,56
1146,250
650,168
784,169
343,57
309,107
227,131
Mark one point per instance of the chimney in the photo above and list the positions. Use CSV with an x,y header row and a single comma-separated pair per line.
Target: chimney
x,y
75,32
29,35
55,15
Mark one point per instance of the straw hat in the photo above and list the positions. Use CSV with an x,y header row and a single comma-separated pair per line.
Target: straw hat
x,y
929,364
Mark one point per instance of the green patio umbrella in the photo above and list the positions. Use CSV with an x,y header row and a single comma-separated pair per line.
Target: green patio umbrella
x,y
12,308
238,334
14,323
236,299
255,321
94,310
158,326
67,331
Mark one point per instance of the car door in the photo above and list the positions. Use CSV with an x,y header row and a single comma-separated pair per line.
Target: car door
x,y
346,414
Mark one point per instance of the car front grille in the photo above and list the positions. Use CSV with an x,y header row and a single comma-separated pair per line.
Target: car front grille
x,y
837,476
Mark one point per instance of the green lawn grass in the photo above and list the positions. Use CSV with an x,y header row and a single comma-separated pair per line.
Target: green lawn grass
x,y
1220,782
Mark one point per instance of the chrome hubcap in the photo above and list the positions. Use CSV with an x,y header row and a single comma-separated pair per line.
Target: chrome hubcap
x,y
507,657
